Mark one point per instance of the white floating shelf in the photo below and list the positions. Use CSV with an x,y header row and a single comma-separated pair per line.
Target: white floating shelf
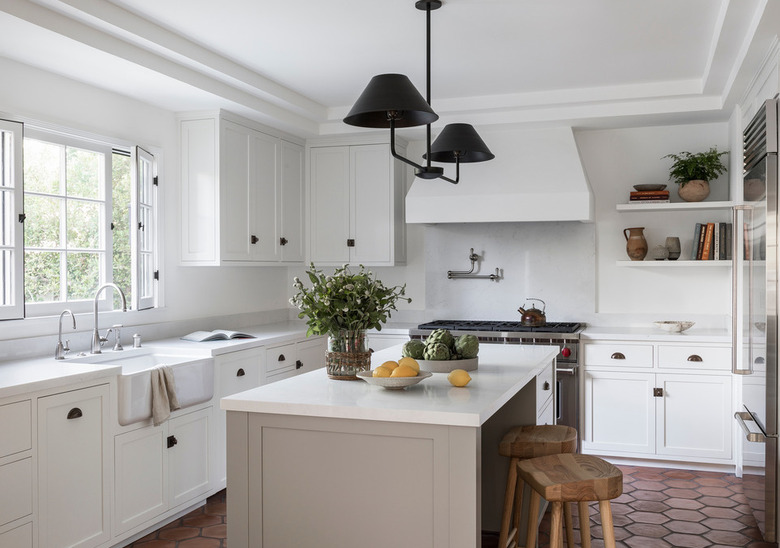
x,y
675,264
676,206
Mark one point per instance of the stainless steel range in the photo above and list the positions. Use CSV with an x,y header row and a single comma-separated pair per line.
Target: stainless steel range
x,y
564,335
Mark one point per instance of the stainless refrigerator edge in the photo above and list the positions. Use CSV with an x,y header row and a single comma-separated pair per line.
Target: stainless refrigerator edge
x,y
754,317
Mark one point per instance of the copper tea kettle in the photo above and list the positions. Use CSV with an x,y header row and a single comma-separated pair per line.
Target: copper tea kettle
x,y
532,316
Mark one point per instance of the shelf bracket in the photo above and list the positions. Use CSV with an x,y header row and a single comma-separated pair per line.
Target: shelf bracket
x,y
473,257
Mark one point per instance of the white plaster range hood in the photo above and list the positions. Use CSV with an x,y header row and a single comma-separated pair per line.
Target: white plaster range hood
x,y
536,175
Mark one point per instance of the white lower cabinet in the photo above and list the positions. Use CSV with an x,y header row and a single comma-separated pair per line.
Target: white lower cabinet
x,y
288,359
16,472
158,468
73,473
380,341
18,537
644,410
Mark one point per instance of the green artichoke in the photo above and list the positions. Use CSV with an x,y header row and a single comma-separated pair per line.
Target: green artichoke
x,y
441,336
436,351
467,346
413,349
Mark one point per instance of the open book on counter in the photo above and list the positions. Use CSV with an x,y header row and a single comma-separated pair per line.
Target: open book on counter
x,y
216,335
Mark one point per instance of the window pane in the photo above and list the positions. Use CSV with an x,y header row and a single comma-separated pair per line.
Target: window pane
x,y
147,264
83,275
42,163
41,276
84,173
120,194
6,271
6,212
83,225
42,226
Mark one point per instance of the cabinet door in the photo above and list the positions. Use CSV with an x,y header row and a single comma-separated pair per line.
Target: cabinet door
x,y
237,371
140,476
292,203
372,204
199,191
189,456
330,205
311,354
619,412
265,197
72,471
694,416
236,202
279,359
19,537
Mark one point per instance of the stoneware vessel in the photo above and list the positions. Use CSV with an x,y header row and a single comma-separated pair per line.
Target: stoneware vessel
x,y
694,191
673,245
636,245
660,253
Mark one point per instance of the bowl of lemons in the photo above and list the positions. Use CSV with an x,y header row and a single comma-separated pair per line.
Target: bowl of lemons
x,y
392,375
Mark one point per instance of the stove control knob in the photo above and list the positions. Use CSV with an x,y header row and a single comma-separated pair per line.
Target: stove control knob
x,y
566,352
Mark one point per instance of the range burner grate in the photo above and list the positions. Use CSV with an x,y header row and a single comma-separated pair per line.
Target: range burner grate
x,y
501,326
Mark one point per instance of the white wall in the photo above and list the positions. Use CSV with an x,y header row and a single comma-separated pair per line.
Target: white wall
x,y
190,292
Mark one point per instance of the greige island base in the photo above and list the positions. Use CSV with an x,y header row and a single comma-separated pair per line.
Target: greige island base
x,y
317,462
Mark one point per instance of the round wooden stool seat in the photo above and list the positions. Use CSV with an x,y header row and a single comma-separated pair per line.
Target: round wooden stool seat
x,y
527,442
565,478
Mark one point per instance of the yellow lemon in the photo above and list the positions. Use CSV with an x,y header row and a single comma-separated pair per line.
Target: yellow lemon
x,y
403,371
411,362
458,377
381,371
390,365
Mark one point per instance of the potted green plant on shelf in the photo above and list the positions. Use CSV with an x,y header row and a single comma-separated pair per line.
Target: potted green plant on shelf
x,y
343,306
693,172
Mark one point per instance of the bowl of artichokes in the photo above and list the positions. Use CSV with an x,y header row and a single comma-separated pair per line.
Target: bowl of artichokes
x,y
441,352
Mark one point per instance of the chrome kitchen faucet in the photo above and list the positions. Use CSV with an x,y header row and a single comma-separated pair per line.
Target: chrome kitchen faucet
x,y
97,340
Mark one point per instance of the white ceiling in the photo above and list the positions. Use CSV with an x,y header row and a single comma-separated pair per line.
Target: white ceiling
x,y
300,64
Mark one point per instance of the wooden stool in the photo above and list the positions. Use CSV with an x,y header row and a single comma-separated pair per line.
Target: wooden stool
x,y
572,478
527,442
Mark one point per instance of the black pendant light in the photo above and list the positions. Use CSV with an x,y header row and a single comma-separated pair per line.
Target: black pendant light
x,y
390,100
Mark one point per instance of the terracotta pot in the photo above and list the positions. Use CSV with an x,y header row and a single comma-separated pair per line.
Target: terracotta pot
x,y
694,191
636,245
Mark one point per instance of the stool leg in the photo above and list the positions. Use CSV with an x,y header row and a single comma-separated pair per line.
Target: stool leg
x,y
556,526
569,525
533,517
606,523
519,490
584,524
509,496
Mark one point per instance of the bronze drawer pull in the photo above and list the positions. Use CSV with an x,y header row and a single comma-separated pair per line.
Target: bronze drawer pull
x,y
618,356
75,413
280,358
240,372
694,358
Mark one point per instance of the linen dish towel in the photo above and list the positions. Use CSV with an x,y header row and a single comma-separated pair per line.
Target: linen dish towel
x,y
164,398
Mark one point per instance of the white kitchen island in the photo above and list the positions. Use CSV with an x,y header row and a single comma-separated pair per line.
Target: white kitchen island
x,y
319,462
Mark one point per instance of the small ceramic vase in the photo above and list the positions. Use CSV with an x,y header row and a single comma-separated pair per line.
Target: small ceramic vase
x,y
673,245
660,252
636,245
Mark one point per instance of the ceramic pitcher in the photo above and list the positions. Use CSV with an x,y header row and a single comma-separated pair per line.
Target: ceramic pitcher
x,y
636,245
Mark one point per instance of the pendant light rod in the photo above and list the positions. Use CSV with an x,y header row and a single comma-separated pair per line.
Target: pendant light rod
x,y
427,78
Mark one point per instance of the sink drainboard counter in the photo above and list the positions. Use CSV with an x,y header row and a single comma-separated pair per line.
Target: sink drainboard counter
x,y
323,435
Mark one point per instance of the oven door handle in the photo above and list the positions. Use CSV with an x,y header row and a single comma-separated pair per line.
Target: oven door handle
x,y
566,371
742,418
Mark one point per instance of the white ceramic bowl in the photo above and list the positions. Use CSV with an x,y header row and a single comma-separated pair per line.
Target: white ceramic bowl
x,y
674,327
445,366
393,383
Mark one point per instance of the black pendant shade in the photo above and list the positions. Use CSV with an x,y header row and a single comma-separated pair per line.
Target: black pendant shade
x,y
459,142
390,96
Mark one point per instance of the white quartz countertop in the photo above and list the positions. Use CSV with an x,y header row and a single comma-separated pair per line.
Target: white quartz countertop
x,y
44,373
655,334
503,371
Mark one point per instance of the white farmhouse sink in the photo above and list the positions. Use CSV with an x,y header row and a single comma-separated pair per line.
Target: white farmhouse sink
x,y
193,376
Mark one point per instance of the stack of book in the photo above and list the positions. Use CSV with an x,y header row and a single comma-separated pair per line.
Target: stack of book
x,y
711,242
649,196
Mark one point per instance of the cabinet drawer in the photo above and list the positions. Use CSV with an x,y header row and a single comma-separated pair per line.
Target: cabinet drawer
x,y
622,355
16,432
19,537
15,490
280,358
694,357
544,387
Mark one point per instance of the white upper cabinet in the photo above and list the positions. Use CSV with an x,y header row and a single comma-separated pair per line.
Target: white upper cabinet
x,y
356,209
242,193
